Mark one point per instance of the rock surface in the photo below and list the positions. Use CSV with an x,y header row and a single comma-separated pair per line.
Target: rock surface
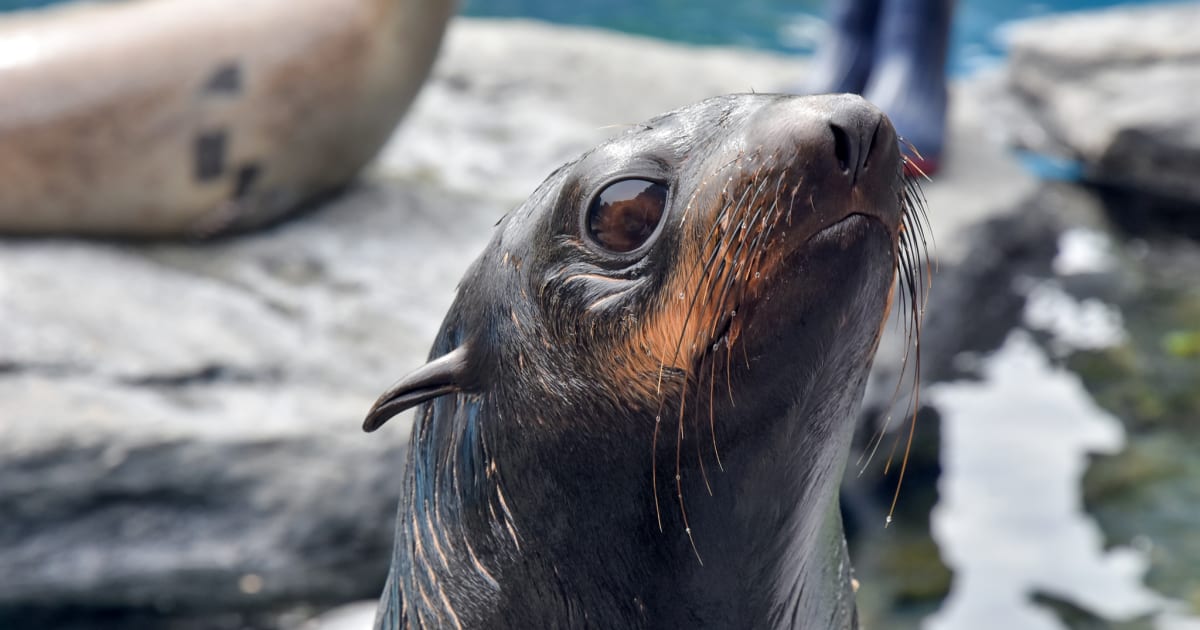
x,y
1117,90
180,421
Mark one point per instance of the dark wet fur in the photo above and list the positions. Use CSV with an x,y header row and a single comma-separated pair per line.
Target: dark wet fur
x,y
586,475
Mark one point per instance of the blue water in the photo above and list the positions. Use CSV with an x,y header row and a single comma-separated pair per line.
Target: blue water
x,y
779,25
14,5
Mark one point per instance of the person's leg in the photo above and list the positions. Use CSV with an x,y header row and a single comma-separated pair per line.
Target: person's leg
x,y
908,75
843,61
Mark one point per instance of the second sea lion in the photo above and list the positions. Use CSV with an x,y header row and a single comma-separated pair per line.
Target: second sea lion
x,y
638,409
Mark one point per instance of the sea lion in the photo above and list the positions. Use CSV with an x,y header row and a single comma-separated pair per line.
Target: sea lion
x,y
638,409
188,117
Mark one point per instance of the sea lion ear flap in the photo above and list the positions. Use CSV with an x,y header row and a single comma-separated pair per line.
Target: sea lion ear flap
x,y
443,375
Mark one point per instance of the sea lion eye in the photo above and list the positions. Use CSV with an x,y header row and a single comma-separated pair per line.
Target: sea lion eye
x,y
623,215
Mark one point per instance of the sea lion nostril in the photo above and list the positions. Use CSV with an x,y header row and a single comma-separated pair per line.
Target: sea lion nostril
x,y
866,161
855,130
843,148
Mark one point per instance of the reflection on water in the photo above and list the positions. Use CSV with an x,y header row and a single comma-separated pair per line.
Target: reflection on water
x,y
1016,446
1010,521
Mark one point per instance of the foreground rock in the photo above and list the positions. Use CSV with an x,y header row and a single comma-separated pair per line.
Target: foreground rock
x,y
1116,90
180,421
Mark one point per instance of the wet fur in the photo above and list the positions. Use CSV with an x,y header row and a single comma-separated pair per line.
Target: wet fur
x,y
654,442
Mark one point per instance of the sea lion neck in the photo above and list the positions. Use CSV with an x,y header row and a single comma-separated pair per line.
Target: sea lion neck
x,y
497,535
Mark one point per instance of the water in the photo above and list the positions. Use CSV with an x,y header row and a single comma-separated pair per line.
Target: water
x,y
1014,457
16,5
1020,442
778,25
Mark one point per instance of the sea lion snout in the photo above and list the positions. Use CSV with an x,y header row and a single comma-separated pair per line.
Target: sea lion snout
x,y
841,152
856,125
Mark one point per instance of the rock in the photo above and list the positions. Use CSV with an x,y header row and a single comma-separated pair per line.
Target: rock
x,y
509,101
180,427
357,616
1115,89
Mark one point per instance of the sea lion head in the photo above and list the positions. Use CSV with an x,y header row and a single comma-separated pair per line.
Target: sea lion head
x,y
740,246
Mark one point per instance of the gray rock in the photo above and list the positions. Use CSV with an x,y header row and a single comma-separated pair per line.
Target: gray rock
x,y
356,616
1115,89
180,421
511,100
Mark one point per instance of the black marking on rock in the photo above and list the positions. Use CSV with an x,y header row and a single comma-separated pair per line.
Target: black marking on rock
x,y
209,154
205,375
226,80
247,177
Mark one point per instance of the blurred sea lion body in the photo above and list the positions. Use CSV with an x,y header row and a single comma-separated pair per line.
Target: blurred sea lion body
x,y
182,117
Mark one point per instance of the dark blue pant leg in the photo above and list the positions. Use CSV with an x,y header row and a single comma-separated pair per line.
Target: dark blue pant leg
x,y
908,74
843,61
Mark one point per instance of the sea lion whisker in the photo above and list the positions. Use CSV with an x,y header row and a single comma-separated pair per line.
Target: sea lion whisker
x,y
715,229
868,455
864,460
724,215
918,291
914,205
704,188
727,314
705,276
695,296
921,250
917,221
734,272
703,469
727,275
728,373
731,278
757,246
687,528
912,428
654,468
703,269
910,247
907,265
712,423
914,405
